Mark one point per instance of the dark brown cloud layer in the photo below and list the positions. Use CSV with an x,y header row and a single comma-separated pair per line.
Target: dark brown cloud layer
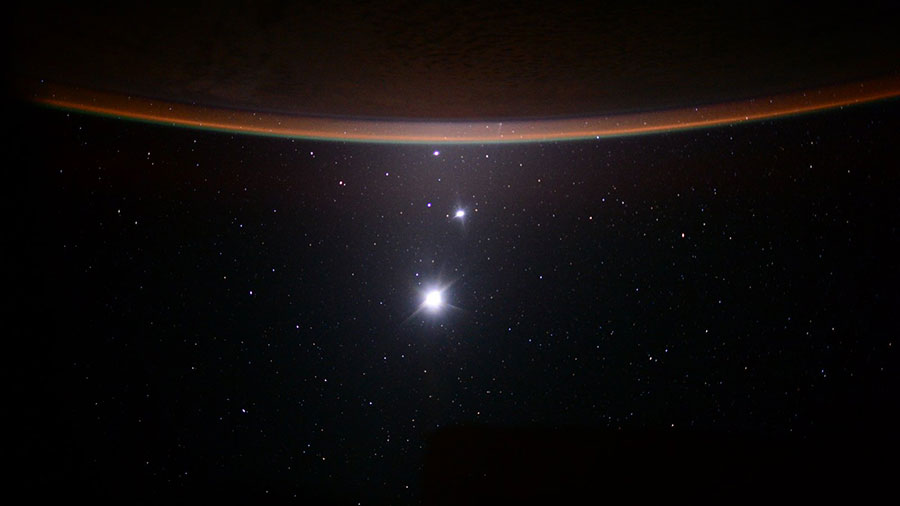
x,y
451,60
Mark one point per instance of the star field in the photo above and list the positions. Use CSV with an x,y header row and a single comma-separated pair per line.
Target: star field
x,y
210,314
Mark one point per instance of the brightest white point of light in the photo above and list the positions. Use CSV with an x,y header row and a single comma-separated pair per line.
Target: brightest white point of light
x,y
436,153
460,213
433,299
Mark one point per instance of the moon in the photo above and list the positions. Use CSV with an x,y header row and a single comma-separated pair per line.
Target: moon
x,y
433,300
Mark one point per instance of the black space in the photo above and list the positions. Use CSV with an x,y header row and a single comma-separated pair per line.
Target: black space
x,y
198,314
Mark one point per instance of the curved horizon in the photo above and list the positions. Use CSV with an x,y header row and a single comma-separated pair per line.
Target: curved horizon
x,y
408,131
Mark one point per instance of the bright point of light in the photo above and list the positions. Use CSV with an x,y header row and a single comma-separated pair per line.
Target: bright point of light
x,y
433,299
460,213
436,152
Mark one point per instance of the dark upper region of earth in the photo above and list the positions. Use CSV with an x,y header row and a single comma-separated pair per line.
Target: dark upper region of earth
x,y
451,59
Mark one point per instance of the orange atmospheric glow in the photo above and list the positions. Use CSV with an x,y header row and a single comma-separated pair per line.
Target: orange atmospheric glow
x,y
422,131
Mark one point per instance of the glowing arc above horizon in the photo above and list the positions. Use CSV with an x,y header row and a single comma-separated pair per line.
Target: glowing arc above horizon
x,y
457,132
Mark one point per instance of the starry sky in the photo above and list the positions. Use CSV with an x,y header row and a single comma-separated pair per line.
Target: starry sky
x,y
204,314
